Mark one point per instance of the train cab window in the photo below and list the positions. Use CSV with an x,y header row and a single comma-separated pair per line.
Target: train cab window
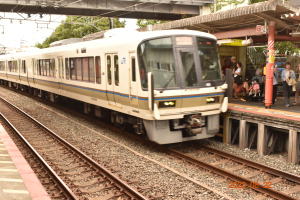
x,y
108,62
133,75
98,69
189,70
2,65
209,59
116,68
85,69
157,56
67,69
91,70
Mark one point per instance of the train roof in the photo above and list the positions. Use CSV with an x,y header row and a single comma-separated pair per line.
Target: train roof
x,y
115,37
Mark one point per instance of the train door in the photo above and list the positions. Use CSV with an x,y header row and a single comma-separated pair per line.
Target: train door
x,y
133,89
189,70
109,63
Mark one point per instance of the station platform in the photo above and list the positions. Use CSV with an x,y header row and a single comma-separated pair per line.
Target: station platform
x,y
17,179
279,110
250,125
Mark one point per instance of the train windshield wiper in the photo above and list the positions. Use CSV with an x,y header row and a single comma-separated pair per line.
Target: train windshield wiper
x,y
166,85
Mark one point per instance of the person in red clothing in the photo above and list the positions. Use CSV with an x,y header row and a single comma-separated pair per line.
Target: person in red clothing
x,y
225,66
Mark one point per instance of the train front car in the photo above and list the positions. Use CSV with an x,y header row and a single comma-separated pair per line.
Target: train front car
x,y
182,77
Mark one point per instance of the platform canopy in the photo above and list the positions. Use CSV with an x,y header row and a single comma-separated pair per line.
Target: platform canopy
x,y
143,9
242,21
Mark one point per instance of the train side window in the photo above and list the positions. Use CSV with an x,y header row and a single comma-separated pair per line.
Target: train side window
x,y
78,67
116,68
53,67
98,69
41,68
59,68
24,66
45,68
62,67
133,74
91,70
72,68
67,69
108,61
2,65
85,69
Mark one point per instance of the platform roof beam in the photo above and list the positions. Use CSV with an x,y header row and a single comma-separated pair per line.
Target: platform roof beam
x,y
142,9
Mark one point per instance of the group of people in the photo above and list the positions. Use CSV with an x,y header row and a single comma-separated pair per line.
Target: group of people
x,y
287,76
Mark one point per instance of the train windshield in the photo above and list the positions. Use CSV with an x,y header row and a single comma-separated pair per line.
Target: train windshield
x,y
157,56
209,59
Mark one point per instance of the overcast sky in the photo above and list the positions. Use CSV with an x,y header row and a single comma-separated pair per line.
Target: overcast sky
x,y
31,32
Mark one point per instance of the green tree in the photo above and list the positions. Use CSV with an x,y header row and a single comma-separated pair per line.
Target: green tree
x,y
145,22
78,27
222,3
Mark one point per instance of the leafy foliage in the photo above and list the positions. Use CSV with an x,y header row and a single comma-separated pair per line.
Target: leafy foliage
x,y
144,22
222,3
77,27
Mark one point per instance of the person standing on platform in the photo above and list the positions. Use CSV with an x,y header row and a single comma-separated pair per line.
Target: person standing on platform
x,y
286,75
234,63
237,78
275,82
297,87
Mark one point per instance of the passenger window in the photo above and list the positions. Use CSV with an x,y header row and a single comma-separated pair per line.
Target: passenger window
x,y
108,61
91,70
52,68
72,68
45,67
59,68
2,65
116,62
62,68
98,69
23,67
67,69
133,76
85,69
78,68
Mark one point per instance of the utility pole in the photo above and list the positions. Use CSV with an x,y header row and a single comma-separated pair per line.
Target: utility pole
x,y
111,23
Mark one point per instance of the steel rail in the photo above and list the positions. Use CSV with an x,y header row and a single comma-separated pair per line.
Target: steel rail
x,y
224,173
265,168
117,181
58,180
271,192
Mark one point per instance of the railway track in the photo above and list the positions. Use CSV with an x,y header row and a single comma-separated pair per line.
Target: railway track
x,y
248,180
266,189
73,174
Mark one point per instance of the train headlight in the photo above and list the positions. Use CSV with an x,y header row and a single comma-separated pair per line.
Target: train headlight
x,y
166,104
212,99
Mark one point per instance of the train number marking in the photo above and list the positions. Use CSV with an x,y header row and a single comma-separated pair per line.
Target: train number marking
x,y
94,99
123,61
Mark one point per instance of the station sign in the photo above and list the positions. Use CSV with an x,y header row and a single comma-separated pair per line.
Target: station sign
x,y
261,29
233,42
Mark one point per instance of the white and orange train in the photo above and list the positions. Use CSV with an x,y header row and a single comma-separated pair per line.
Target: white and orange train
x,y
166,84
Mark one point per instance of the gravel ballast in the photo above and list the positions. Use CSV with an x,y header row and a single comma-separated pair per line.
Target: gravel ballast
x,y
88,136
